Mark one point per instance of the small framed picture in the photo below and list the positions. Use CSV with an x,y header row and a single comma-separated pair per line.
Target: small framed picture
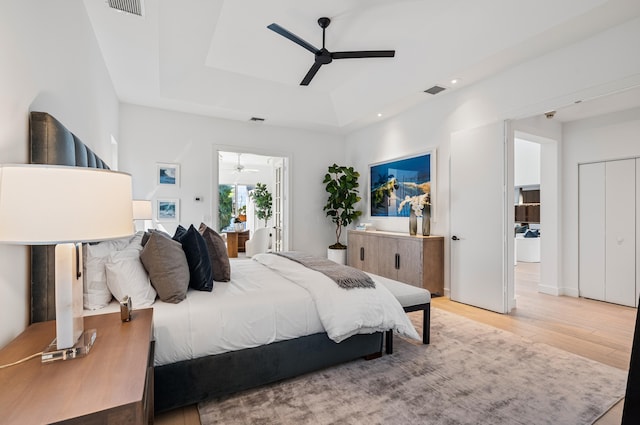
x,y
169,174
167,209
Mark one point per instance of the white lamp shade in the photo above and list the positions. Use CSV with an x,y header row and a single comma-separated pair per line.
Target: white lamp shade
x,y
142,210
48,204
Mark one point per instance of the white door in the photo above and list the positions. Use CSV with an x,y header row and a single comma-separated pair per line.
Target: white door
x,y
278,207
620,237
637,233
591,220
481,218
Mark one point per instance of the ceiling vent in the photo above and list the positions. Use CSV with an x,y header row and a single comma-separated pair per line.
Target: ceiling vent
x,y
434,90
256,119
135,7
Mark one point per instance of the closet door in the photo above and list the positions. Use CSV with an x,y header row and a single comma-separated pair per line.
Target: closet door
x,y
637,233
620,239
591,233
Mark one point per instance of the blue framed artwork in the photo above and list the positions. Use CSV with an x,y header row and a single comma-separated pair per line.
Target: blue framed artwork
x,y
169,174
391,181
167,210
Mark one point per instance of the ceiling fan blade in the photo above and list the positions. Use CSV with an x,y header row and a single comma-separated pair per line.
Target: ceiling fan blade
x,y
364,54
312,72
291,36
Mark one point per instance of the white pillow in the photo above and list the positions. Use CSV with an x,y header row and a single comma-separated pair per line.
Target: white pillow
x,y
96,293
126,276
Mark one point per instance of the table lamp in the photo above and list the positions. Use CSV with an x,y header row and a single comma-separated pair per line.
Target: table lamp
x,y
141,212
65,206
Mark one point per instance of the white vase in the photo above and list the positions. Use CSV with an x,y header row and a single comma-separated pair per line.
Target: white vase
x,y
337,255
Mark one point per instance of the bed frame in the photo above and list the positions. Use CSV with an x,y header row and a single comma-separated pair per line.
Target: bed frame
x,y
187,382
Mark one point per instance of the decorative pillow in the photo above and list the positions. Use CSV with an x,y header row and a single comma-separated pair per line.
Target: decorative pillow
x,y
126,276
218,255
145,235
96,293
166,263
195,249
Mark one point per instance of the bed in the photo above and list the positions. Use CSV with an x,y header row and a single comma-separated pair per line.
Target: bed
x,y
210,372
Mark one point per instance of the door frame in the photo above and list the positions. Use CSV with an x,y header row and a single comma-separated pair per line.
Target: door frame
x,y
215,179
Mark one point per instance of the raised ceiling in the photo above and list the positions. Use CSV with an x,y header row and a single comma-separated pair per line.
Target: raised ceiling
x,y
218,58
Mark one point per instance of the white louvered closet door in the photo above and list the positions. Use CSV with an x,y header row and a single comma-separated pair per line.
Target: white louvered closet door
x,y
637,231
620,225
591,233
609,208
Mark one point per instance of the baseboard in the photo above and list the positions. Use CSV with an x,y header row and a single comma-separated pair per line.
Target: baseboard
x,y
549,290
570,292
554,290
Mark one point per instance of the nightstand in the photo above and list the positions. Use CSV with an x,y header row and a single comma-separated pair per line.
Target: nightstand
x,y
113,384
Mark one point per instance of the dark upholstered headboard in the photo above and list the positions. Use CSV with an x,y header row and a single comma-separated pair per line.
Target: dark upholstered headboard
x,y
51,143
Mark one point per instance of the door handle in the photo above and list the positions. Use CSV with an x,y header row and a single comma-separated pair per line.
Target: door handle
x,y
455,238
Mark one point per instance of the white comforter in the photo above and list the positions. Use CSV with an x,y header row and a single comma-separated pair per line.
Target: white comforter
x,y
344,312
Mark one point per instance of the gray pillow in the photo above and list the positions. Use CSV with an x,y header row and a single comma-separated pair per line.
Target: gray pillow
x,y
217,254
166,263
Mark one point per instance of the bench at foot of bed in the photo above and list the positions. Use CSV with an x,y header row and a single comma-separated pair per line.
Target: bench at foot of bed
x,y
411,298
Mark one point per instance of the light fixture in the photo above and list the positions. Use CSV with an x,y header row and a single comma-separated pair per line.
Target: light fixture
x,y
49,204
141,213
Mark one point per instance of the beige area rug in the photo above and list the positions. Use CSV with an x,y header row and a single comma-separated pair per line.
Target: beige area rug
x,y
471,373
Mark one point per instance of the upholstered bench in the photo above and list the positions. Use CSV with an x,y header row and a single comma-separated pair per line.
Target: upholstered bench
x,y
411,298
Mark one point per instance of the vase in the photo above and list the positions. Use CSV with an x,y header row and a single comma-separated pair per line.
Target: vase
x,y
426,222
413,224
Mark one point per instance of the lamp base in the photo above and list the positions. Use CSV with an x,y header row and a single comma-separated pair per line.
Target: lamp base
x,y
80,349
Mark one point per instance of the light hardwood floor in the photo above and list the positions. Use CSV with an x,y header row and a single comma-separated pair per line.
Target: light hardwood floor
x,y
592,329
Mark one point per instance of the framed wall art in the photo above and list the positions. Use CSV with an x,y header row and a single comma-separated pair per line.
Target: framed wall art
x,y
390,182
167,209
168,174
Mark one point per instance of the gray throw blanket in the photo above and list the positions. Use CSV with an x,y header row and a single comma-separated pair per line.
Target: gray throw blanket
x,y
346,277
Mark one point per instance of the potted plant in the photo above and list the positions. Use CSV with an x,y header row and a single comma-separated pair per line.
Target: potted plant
x,y
263,201
342,186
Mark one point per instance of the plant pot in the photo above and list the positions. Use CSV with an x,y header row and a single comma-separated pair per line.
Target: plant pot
x,y
337,255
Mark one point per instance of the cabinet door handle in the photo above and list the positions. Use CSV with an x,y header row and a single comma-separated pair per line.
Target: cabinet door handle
x,y
361,253
397,261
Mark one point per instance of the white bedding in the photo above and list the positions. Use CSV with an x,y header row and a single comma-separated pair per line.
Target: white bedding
x,y
258,307
345,312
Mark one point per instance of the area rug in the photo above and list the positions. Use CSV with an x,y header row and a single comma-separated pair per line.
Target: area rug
x,y
471,373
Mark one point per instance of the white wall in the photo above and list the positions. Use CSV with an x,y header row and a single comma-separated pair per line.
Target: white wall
x,y
526,163
611,136
49,61
149,135
590,67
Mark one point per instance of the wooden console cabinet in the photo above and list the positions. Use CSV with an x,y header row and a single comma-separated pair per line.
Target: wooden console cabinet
x,y
113,384
416,260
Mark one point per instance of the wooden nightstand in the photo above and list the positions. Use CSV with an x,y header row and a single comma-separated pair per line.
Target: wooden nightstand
x,y
113,384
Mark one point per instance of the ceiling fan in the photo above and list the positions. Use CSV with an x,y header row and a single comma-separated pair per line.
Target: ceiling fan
x,y
323,56
239,168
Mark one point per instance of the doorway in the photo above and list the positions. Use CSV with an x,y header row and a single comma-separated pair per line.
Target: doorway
x,y
528,226
537,188
239,174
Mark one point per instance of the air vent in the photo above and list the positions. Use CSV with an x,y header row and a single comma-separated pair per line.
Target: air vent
x,y
434,90
135,7
256,119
